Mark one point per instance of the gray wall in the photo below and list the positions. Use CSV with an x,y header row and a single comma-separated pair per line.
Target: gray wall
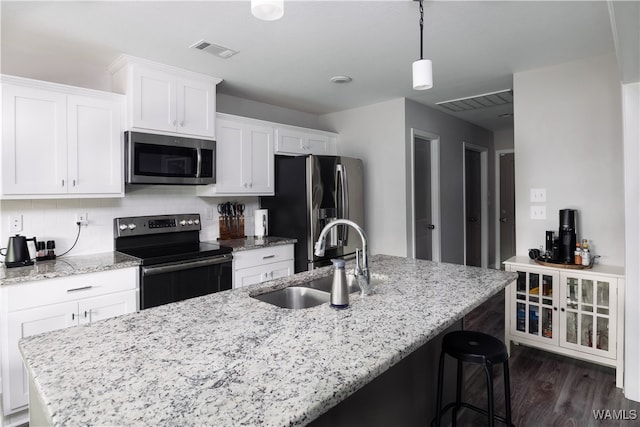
x,y
376,134
568,139
380,134
453,134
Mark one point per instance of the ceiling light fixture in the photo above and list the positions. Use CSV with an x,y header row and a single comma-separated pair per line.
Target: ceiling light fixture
x,y
422,72
267,10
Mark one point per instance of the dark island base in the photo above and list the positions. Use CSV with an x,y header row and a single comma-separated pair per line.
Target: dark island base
x,y
403,396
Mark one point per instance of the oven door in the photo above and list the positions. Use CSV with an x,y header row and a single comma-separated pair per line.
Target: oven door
x,y
171,282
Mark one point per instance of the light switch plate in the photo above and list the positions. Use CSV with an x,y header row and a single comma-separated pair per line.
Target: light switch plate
x,y
538,212
538,195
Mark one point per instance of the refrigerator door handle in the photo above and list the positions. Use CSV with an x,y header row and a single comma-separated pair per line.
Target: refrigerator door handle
x,y
343,202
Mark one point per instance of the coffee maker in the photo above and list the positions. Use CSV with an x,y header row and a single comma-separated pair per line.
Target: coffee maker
x,y
567,235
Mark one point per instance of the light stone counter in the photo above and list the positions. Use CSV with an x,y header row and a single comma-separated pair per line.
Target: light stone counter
x,y
66,266
252,242
226,359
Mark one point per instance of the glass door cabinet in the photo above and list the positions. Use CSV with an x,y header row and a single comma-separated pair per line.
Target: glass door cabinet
x,y
574,312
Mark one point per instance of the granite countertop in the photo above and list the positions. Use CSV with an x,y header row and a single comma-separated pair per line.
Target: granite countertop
x,y
228,359
66,266
252,242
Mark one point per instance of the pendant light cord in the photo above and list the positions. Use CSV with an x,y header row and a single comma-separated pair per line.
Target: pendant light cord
x,y
421,27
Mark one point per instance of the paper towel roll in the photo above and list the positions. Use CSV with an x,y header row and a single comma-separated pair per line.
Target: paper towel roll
x,y
261,222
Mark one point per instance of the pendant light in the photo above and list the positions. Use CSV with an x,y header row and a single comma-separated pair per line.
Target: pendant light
x,y
267,10
422,72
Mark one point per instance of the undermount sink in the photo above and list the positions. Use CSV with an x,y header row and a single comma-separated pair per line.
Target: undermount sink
x,y
309,294
324,284
295,297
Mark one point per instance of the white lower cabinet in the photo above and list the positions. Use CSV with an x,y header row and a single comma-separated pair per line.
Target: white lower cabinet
x,y
259,265
48,305
577,313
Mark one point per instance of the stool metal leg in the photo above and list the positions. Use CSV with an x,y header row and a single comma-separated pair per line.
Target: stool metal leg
x,y
507,393
439,397
488,370
458,405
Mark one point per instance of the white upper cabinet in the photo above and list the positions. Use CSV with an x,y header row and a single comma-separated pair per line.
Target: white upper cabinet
x,y
245,159
291,140
166,99
60,141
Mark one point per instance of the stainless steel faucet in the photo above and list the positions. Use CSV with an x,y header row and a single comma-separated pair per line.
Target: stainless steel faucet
x,y
362,256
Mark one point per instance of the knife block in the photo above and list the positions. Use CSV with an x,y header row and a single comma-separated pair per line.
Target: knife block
x,y
231,227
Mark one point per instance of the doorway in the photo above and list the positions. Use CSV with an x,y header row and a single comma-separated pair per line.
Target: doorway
x,y
505,208
425,196
476,224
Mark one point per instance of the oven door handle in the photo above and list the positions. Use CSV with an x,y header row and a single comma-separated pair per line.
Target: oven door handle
x,y
185,265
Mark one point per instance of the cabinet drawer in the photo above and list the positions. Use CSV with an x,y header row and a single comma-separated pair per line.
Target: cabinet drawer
x,y
61,289
255,257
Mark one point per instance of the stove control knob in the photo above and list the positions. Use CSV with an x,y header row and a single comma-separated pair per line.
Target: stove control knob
x,y
132,226
196,221
123,227
183,222
190,222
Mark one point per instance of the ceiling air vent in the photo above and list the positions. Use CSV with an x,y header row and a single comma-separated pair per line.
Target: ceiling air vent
x,y
214,49
493,99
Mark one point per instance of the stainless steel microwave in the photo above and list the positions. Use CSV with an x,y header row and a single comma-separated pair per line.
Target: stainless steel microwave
x,y
165,159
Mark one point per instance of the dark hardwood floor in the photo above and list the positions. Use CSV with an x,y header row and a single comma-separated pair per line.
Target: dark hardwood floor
x,y
546,389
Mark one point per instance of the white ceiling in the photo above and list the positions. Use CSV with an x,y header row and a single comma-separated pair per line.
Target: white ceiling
x,y
476,46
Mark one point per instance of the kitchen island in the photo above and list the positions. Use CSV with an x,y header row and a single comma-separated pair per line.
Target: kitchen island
x,y
227,359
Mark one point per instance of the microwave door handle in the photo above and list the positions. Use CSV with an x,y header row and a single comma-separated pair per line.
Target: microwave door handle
x,y
199,164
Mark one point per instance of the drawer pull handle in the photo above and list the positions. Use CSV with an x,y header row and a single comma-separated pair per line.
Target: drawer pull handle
x,y
84,288
268,256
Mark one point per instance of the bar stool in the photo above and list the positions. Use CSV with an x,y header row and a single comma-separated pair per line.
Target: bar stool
x,y
481,349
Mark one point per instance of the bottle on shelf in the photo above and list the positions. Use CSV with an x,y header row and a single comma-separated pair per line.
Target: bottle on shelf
x,y
586,256
578,254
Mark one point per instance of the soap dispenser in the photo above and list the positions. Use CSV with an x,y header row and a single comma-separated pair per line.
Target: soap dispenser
x,y
339,287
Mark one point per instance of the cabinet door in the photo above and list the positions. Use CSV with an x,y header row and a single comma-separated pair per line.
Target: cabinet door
x,y
196,107
290,141
244,158
317,144
250,276
278,270
588,314
106,306
25,323
260,180
154,100
534,307
34,141
230,152
95,145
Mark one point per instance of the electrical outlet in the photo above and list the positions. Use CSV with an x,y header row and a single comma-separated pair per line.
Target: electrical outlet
x,y
538,195
82,218
15,223
538,212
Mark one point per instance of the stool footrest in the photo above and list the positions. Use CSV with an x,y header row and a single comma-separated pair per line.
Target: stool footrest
x,y
472,407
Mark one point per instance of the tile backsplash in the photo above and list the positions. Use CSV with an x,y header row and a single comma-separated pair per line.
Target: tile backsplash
x,y
55,219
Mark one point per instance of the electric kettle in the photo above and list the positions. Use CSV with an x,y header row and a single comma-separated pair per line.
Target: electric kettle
x,y
17,252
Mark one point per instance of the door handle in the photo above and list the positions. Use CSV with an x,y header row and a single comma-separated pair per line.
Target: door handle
x,y
431,227
503,219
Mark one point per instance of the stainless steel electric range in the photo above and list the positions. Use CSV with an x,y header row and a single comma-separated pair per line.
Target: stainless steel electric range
x,y
175,264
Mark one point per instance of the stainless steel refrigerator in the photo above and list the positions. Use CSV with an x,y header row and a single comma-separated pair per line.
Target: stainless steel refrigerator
x,y
311,191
